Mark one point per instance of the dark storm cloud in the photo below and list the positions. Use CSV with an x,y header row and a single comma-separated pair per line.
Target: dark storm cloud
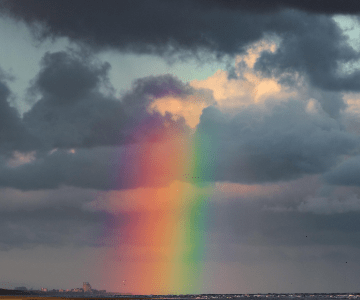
x,y
315,6
140,26
74,112
316,48
312,44
67,77
284,143
96,120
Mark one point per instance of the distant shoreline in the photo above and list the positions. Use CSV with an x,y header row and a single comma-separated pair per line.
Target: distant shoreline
x,y
270,296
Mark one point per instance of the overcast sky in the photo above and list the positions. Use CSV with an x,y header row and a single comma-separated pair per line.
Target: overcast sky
x,y
92,94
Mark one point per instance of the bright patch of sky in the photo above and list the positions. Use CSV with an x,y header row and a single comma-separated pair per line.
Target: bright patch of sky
x,y
127,67
351,29
20,55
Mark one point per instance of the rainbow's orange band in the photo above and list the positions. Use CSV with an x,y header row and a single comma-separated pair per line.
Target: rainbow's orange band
x,y
166,242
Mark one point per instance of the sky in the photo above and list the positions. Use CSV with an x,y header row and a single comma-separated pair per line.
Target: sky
x,y
158,147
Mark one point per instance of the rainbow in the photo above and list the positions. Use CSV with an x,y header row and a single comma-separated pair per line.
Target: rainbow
x,y
163,247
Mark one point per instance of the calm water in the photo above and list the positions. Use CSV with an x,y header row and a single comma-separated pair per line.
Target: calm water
x,y
314,296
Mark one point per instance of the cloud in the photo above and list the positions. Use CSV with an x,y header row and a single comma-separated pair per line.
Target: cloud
x,y
238,220
85,169
79,128
324,205
321,205
311,44
245,223
13,134
188,107
49,226
54,218
101,168
260,141
73,111
251,231
311,50
317,6
346,173
161,27
66,77
247,87
15,199
19,158
272,144
165,26
265,143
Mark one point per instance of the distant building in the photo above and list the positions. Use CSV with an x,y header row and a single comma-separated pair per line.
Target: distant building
x,y
86,287
21,288
44,289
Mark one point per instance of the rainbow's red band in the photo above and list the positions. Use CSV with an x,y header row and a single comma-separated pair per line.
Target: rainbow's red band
x,y
164,246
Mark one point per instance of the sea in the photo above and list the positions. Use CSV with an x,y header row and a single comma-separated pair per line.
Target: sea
x,y
313,296
36,295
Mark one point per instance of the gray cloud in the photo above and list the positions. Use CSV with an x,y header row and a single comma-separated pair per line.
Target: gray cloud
x,y
101,168
13,199
311,44
73,112
13,135
253,146
96,120
282,144
66,77
348,173
50,226
54,218
246,223
294,228
331,102
239,220
57,218
317,6
157,27
324,205
83,117
311,49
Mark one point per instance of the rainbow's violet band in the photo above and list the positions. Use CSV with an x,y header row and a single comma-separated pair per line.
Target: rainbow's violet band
x,y
175,225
